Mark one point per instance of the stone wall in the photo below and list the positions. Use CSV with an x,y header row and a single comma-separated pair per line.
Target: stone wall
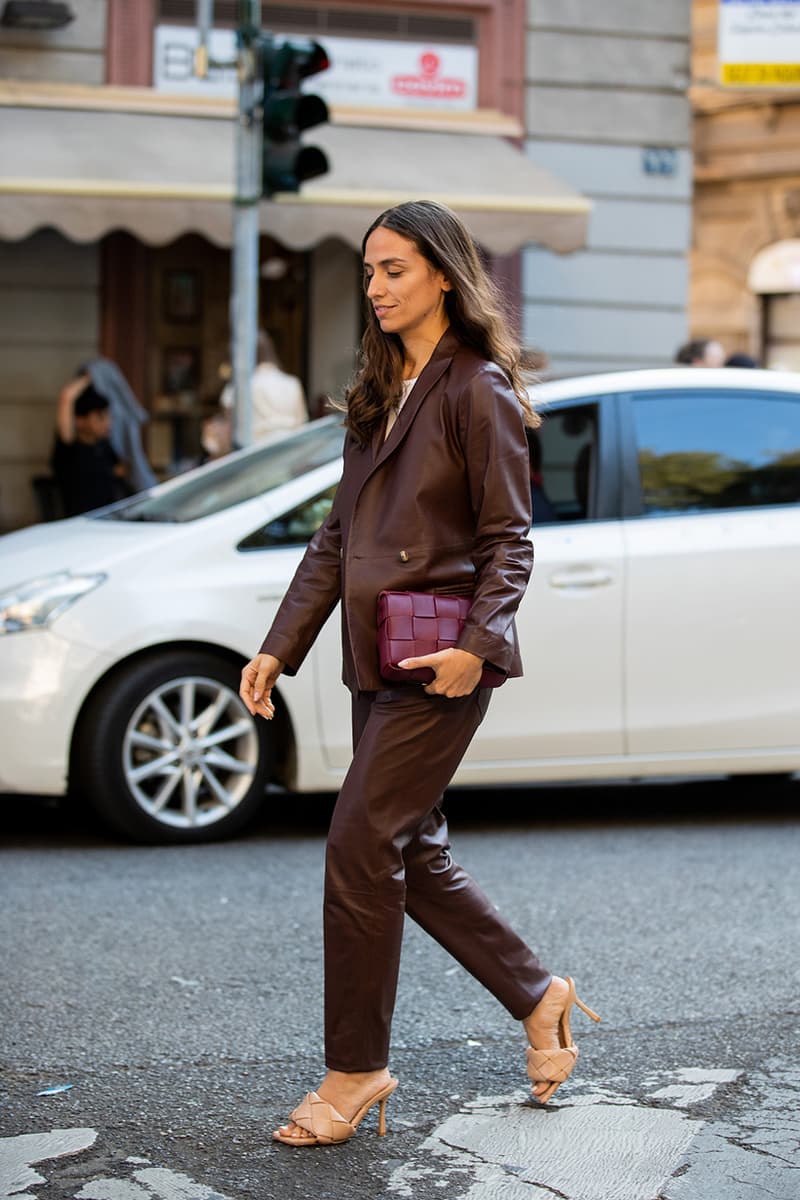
x,y
747,191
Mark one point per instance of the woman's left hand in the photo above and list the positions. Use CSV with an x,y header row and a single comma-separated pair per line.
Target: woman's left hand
x,y
457,671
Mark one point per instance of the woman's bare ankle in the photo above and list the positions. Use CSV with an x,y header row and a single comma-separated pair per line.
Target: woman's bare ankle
x,y
331,1073
352,1082
542,1021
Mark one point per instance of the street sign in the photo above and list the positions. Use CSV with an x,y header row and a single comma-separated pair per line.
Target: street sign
x,y
660,160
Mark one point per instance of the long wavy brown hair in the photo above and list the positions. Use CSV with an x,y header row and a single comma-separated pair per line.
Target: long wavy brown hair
x,y
473,305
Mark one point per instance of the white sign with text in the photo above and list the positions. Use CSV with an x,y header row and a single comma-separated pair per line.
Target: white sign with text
x,y
759,43
364,72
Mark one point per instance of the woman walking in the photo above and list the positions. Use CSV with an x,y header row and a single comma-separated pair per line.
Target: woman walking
x,y
435,497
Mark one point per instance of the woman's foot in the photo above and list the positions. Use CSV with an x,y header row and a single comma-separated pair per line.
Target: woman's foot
x,y
346,1091
542,1025
552,1054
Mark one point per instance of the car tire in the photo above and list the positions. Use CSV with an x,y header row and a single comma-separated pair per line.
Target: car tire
x,y
166,752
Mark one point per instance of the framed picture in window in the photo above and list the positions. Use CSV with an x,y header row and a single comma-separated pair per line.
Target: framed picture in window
x,y
182,299
180,370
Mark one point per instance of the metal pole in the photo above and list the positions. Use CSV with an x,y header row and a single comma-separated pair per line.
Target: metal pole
x,y
205,23
244,295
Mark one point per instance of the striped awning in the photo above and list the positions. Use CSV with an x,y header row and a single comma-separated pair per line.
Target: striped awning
x,y
86,172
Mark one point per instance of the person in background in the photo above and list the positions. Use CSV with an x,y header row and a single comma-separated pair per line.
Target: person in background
x,y
127,420
705,352
88,471
279,401
741,360
216,437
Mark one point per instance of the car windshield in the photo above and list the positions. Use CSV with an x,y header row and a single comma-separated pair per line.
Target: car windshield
x,y
237,478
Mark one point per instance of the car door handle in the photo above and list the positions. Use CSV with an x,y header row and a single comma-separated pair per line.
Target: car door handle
x,y
581,577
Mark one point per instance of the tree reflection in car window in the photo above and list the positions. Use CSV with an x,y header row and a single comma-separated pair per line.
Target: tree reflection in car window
x,y
713,450
295,528
563,461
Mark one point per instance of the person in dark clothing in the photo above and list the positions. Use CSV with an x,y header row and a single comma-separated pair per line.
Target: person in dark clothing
x,y
88,472
435,459
741,360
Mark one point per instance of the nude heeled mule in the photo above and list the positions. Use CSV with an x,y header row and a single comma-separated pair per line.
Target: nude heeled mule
x,y
325,1126
554,1066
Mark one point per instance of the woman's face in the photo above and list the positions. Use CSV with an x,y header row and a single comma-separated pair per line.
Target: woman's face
x,y
404,289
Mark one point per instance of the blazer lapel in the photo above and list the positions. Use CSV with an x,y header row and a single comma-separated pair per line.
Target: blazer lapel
x,y
433,370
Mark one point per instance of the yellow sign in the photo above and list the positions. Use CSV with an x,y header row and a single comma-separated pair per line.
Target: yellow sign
x,y
760,74
759,43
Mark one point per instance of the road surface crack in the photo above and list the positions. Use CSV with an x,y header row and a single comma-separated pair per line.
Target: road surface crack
x,y
506,1167
762,1191
748,1146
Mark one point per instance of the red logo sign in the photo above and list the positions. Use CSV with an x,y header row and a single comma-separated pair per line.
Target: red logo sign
x,y
428,84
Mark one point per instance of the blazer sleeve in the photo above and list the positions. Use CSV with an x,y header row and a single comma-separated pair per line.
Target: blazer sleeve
x,y
498,474
311,597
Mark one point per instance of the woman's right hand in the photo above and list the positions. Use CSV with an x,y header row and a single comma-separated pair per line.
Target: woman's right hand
x,y
258,680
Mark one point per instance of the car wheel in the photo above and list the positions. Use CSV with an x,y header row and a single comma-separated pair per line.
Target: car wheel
x,y
168,753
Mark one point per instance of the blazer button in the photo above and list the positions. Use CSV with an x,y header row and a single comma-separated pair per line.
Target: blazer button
x,y
403,556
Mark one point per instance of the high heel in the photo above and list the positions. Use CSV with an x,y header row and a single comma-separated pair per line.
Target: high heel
x,y
324,1125
553,1066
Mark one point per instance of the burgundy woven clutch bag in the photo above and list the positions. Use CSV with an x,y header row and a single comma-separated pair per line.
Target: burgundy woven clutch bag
x,y
411,624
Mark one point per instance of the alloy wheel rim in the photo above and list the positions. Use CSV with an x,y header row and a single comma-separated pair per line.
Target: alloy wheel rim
x,y
190,752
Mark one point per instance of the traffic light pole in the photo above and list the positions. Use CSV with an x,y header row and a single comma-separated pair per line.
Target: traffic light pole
x,y
244,293
270,103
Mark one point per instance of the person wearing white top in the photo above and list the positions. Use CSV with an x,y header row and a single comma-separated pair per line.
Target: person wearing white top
x,y
279,402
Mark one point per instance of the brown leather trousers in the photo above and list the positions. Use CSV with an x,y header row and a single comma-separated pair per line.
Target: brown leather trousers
x,y
388,854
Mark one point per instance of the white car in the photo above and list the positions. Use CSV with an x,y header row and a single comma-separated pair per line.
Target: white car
x,y
659,633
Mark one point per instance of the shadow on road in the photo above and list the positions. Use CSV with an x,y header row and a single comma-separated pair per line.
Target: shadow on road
x,y
43,821
756,798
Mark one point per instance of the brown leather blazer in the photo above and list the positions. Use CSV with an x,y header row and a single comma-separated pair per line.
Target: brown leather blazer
x,y
441,505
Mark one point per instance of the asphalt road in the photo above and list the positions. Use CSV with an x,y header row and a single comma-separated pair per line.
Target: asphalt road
x,y
177,990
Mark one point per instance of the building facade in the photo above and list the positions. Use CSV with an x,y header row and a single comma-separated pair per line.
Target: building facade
x,y
745,282
50,301
606,109
116,171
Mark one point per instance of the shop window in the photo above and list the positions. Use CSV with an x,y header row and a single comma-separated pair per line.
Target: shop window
x,y
315,20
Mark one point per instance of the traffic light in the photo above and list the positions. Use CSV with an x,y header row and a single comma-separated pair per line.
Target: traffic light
x,y
287,112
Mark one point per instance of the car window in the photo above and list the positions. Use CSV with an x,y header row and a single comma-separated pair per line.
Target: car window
x,y
295,528
704,450
563,454
238,477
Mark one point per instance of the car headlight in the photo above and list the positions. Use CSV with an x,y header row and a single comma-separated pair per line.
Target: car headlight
x,y
35,604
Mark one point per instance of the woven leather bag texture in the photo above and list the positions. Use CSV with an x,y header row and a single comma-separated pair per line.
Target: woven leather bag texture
x,y
411,624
